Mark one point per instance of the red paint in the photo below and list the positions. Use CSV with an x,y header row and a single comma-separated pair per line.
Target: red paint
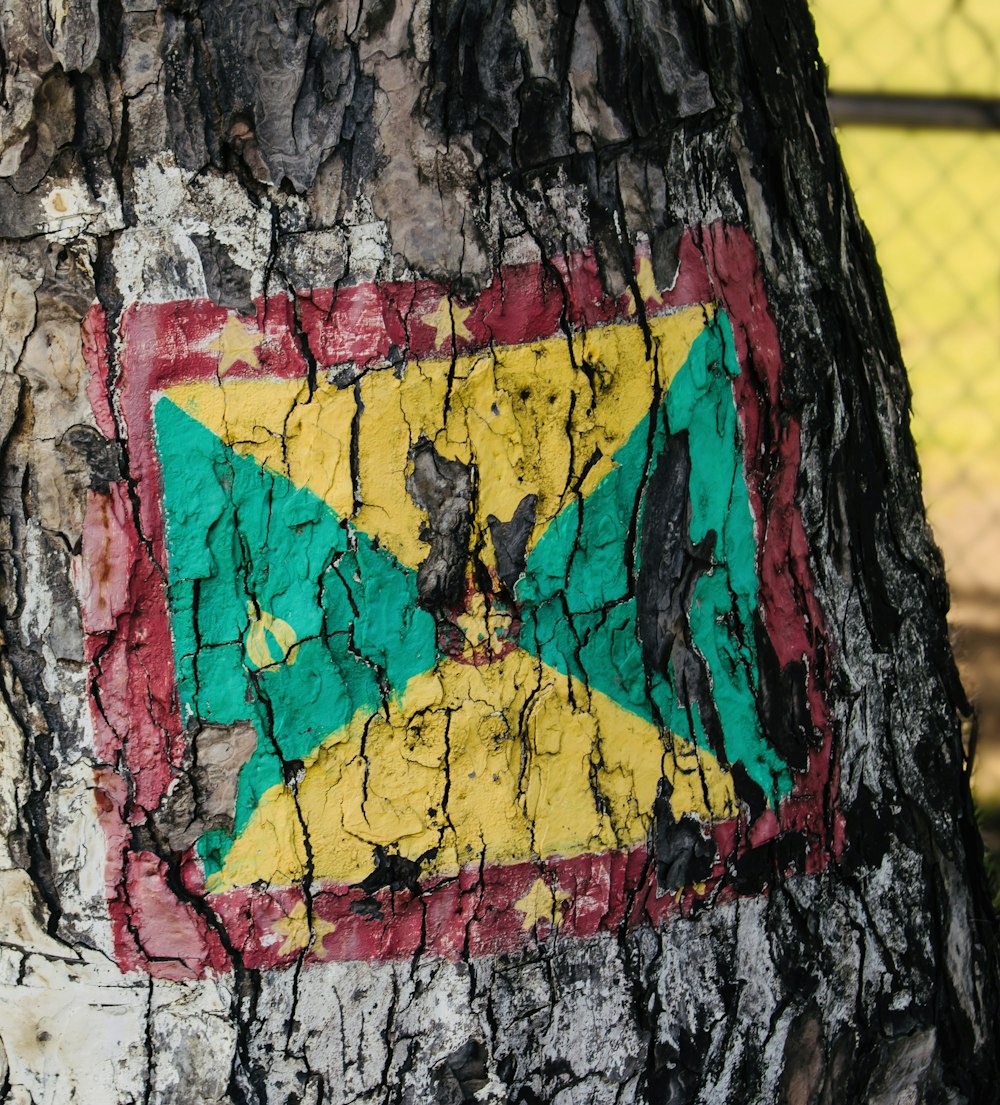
x,y
475,913
175,942
771,438
137,721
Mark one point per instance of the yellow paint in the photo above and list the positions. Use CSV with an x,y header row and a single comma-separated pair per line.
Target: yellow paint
x,y
484,626
698,888
645,281
236,342
924,46
498,763
541,903
445,316
262,626
298,933
528,419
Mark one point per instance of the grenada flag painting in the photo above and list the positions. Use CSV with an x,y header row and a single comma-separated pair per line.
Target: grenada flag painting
x,y
422,624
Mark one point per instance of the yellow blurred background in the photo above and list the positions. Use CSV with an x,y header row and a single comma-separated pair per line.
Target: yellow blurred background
x,y
928,46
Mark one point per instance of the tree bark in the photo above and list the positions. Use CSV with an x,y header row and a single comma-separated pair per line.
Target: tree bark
x,y
470,631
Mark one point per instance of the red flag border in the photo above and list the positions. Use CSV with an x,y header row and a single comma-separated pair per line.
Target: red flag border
x,y
162,919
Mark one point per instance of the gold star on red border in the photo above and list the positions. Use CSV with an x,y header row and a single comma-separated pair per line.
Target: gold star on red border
x,y
645,281
446,318
541,903
300,931
235,343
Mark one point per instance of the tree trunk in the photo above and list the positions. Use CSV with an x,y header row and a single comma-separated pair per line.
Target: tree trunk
x,y
470,628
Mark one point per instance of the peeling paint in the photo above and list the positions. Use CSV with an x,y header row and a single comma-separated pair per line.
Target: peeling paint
x,y
410,732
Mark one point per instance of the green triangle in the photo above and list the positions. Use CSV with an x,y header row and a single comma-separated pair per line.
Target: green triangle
x,y
579,610
237,533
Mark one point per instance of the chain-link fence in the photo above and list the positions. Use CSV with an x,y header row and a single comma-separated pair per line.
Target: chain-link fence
x,y
915,91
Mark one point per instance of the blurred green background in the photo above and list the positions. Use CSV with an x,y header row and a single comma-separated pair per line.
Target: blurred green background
x,y
930,196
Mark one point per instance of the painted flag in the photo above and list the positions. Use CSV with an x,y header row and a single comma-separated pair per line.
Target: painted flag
x,y
470,622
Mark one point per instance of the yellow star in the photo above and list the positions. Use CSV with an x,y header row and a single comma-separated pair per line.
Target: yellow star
x,y
697,887
483,628
257,645
645,281
235,343
541,903
298,933
446,316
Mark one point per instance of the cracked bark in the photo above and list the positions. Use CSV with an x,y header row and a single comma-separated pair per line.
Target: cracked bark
x,y
242,153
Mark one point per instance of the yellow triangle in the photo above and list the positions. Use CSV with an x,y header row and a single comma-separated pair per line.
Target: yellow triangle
x,y
505,762
539,419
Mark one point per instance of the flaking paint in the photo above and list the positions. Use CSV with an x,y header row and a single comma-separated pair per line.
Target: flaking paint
x,y
393,337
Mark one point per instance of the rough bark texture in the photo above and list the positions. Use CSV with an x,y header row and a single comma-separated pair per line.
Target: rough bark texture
x,y
243,152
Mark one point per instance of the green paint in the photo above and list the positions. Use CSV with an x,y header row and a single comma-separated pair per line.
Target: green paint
x,y
579,612
700,402
237,532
